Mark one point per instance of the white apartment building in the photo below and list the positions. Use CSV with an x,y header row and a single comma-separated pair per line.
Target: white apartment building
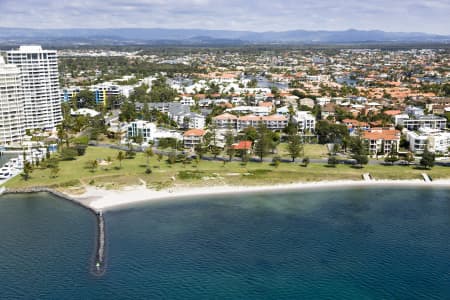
x,y
12,118
229,121
433,140
189,101
305,121
255,110
322,101
190,120
429,121
40,85
141,128
149,132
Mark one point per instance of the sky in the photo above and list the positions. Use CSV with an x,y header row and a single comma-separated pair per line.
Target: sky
x,y
431,16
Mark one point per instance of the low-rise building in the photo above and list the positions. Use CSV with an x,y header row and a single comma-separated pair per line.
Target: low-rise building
x,y
190,120
355,126
189,101
382,141
428,121
141,129
272,122
255,110
436,141
193,137
305,121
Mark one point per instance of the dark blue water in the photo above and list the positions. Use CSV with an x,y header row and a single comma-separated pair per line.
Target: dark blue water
x,y
342,244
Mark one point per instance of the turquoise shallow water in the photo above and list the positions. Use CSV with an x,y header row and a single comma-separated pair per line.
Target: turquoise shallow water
x,y
370,243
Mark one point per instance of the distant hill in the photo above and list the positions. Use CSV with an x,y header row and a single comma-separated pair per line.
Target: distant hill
x,y
200,36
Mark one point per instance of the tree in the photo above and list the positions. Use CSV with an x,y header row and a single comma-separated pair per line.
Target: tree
x,y
68,154
148,154
128,111
81,149
392,157
361,159
262,145
172,157
250,134
229,140
146,114
359,150
275,139
276,160
92,164
27,170
331,133
332,161
215,150
200,150
294,146
409,157
130,153
54,172
306,161
428,158
120,157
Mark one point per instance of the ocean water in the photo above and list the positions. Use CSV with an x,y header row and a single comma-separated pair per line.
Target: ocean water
x,y
364,243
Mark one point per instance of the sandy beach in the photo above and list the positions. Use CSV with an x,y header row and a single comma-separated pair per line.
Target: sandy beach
x,y
102,199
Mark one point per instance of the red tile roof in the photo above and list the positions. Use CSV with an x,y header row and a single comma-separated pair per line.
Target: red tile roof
x,y
392,112
382,134
195,132
225,116
242,145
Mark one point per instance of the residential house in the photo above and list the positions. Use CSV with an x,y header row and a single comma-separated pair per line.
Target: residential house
x,y
328,111
307,102
355,126
243,146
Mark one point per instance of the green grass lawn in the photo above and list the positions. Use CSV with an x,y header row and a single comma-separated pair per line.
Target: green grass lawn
x,y
75,173
313,151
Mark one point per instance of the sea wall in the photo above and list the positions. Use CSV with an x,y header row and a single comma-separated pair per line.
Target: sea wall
x,y
98,266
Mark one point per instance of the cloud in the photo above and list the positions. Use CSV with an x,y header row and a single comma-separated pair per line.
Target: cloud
x,y
256,15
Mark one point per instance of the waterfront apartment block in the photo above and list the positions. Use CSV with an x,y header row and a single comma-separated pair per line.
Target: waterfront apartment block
x,y
434,140
40,85
382,141
427,121
12,117
229,121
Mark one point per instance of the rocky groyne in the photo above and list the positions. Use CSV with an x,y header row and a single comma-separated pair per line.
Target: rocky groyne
x,y
98,267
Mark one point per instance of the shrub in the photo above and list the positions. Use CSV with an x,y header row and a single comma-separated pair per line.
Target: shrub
x,y
68,153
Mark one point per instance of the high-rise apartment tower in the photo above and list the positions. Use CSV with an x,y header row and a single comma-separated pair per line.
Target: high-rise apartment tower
x,y
40,85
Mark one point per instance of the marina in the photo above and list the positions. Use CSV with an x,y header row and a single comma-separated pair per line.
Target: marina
x,y
12,162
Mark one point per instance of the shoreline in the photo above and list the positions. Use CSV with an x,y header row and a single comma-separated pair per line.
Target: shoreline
x,y
99,199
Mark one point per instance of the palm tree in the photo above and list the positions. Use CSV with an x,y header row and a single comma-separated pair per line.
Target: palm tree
x,y
93,164
148,154
120,157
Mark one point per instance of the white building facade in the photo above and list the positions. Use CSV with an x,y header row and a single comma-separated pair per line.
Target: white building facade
x,y
305,121
435,141
40,85
12,118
